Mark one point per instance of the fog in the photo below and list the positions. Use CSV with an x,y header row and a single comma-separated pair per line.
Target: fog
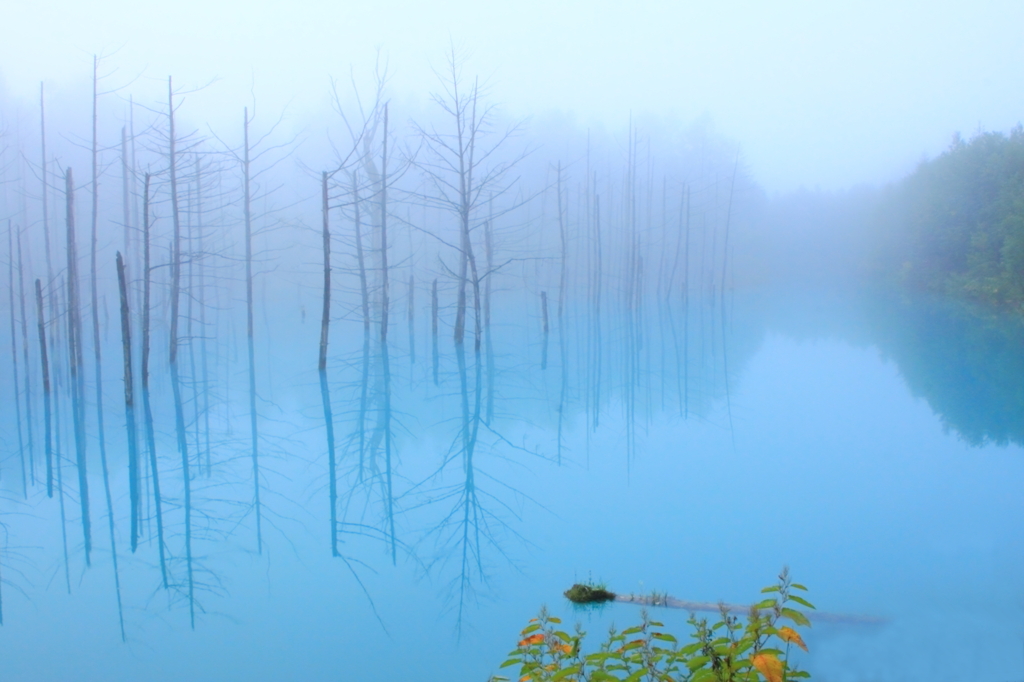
x,y
340,331
816,94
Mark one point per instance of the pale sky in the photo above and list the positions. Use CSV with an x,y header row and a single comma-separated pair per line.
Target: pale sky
x,y
825,94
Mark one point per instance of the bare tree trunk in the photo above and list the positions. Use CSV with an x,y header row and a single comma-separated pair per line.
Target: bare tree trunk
x,y
488,344
47,430
125,194
28,374
58,464
365,298
92,277
325,322
250,343
75,358
179,413
129,405
599,343
385,360
146,407
561,236
201,300
14,359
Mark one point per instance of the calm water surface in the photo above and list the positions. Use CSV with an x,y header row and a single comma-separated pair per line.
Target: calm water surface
x,y
872,444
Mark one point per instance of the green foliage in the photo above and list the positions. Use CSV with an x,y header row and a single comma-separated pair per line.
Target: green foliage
x,y
726,650
589,592
959,221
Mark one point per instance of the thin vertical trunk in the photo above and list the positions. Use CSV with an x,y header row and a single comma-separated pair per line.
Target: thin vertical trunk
x,y
14,360
58,464
325,322
365,297
103,458
93,241
561,237
125,194
190,318
686,312
598,360
45,185
488,343
385,360
254,434
201,300
75,361
47,408
129,406
28,374
146,407
179,413
360,256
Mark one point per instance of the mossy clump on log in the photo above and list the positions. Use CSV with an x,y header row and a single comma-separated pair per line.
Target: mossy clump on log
x,y
587,593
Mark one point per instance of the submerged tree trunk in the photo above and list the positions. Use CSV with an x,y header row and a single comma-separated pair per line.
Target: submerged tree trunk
x,y
97,360
28,374
325,322
146,407
129,406
254,434
385,360
47,408
14,360
179,412
75,361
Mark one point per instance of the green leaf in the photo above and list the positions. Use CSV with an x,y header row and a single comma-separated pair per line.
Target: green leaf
x,y
552,619
562,636
511,661
766,604
631,631
798,586
664,636
532,627
571,670
801,601
773,588
697,662
796,617
602,676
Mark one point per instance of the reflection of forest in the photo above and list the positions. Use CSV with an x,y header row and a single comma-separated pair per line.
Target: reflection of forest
x,y
965,360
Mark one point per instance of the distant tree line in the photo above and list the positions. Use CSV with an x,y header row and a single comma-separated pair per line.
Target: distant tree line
x,y
956,224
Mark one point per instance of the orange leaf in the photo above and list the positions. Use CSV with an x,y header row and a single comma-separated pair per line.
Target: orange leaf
x,y
565,649
768,665
532,639
524,678
790,635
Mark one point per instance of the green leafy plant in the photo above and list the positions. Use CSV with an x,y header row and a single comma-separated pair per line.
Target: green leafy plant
x,y
723,651
589,592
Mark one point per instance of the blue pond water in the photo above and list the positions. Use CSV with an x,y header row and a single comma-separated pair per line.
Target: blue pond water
x,y
870,443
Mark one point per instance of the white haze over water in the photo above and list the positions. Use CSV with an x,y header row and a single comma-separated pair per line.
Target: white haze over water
x,y
817,94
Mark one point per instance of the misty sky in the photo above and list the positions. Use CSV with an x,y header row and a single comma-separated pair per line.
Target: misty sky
x,y
822,94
